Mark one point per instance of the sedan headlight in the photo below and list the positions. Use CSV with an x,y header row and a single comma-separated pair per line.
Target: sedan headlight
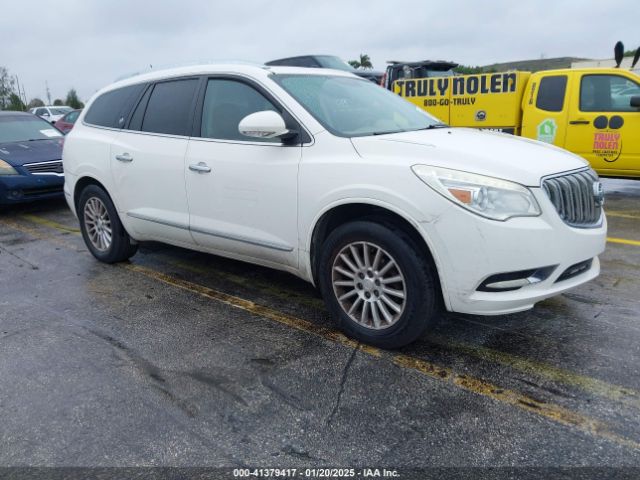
x,y
489,197
6,169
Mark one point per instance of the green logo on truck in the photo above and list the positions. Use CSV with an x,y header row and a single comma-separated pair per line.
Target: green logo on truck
x,y
547,130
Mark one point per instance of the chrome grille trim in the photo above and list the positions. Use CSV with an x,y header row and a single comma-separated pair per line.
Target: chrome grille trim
x,y
572,195
45,168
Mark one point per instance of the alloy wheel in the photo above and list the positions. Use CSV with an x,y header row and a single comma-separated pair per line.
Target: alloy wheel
x,y
98,224
369,285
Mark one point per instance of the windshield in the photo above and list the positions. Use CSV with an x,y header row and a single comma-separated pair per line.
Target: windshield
x,y
21,128
329,61
60,110
353,107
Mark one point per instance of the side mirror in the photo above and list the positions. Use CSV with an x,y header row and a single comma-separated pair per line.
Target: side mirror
x,y
635,101
45,114
266,124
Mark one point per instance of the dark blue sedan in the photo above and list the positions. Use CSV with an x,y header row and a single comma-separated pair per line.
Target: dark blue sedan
x,y
30,159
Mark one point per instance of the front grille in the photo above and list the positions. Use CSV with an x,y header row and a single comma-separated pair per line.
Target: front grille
x,y
45,167
574,197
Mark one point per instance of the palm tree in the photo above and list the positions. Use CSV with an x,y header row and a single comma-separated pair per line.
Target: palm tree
x,y
365,61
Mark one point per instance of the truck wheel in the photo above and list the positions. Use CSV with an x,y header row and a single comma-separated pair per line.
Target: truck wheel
x,y
374,281
101,228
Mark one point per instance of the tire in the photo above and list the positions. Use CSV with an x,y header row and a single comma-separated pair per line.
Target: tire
x,y
398,258
98,217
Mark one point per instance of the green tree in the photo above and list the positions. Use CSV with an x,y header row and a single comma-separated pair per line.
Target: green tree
x,y
35,103
72,99
57,102
7,83
15,103
365,62
468,69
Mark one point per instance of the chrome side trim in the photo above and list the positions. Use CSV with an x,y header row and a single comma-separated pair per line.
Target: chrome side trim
x,y
213,233
182,226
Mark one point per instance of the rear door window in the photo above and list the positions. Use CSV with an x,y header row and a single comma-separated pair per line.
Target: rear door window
x,y
551,93
170,107
111,108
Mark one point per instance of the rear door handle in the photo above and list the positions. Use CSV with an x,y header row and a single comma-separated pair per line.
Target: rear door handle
x,y
200,167
579,122
125,157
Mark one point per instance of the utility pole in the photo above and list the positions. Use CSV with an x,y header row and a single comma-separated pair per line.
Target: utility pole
x,y
46,84
21,94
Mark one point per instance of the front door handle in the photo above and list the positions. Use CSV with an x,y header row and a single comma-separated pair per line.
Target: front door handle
x,y
579,122
200,167
125,157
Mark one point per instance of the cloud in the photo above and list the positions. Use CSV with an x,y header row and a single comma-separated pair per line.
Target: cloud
x,y
87,44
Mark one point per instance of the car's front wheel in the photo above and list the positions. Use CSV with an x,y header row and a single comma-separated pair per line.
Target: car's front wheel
x,y
101,228
377,284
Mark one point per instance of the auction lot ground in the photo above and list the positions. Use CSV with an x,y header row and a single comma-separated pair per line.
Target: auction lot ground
x,y
181,358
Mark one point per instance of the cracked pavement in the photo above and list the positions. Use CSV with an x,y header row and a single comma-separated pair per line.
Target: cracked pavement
x,y
187,359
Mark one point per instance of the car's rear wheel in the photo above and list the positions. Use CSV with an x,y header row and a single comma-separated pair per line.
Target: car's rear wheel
x,y
101,228
377,284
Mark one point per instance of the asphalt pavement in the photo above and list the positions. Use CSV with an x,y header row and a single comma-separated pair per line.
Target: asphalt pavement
x,y
183,359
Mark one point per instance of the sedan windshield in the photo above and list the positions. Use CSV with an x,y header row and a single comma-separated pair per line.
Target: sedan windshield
x,y
22,128
353,107
60,110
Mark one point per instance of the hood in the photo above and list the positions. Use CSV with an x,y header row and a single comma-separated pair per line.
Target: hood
x,y
19,153
498,155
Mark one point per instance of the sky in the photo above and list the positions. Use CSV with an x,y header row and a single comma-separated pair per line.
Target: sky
x,y
88,44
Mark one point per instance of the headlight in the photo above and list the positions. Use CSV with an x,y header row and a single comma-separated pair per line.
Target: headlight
x,y
6,169
485,196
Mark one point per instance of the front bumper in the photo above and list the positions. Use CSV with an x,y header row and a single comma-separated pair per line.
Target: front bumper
x,y
28,188
472,249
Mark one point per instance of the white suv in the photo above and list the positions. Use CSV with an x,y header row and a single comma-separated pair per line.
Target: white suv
x,y
51,113
340,182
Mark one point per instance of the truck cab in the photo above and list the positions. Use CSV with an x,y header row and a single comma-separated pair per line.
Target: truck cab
x,y
593,112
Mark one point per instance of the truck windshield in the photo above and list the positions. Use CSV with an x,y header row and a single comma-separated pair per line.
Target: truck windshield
x,y
329,61
353,107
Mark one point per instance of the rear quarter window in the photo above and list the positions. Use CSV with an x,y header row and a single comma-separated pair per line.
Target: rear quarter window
x,y
551,93
170,107
111,108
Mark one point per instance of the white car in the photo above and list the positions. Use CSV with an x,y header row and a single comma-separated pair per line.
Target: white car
x,y
342,183
51,113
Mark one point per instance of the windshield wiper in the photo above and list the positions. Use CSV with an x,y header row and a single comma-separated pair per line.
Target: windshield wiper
x,y
388,132
435,125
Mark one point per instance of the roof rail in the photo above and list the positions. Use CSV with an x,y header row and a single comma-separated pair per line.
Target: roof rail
x,y
155,68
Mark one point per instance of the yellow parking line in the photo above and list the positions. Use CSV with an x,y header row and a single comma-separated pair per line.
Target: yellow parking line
x,y
624,241
587,384
50,223
550,411
477,386
621,214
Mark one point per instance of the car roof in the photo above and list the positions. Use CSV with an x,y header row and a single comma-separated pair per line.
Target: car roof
x,y
7,113
314,55
252,70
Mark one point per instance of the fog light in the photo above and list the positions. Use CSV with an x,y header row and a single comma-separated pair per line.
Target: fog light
x,y
509,281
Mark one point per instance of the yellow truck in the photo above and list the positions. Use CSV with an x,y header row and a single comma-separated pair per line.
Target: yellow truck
x,y
593,112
